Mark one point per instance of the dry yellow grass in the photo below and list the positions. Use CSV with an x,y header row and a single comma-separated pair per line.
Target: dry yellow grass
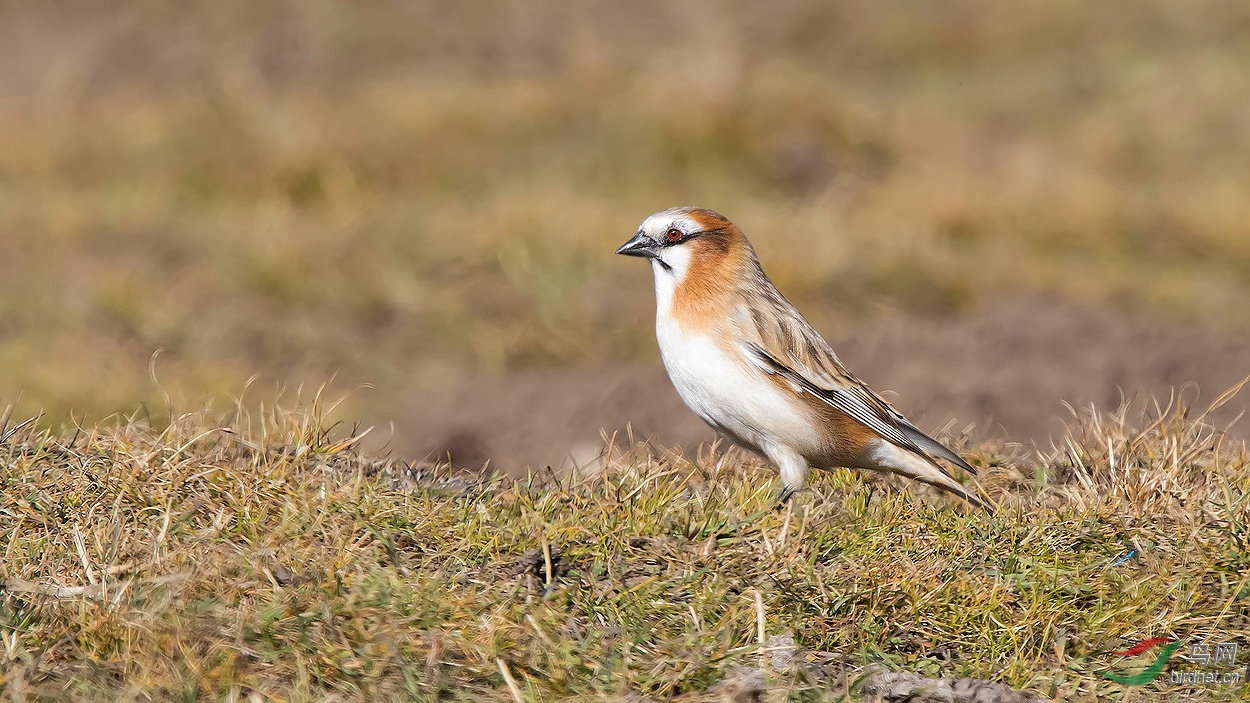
x,y
244,558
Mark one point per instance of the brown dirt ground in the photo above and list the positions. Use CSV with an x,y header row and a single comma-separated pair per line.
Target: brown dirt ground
x,y
1005,370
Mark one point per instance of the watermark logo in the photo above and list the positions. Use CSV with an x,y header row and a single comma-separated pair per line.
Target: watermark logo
x,y
1216,665
1152,671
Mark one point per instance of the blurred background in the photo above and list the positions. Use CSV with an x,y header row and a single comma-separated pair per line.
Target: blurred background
x,y
988,207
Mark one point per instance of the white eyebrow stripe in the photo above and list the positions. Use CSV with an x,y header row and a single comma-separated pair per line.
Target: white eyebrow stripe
x,y
660,222
687,225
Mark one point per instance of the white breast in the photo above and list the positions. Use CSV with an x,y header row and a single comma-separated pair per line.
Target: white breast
x,y
729,393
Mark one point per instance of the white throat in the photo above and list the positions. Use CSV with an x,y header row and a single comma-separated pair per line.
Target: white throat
x,y
670,270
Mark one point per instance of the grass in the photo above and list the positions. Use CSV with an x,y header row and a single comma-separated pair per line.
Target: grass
x,y
241,557
400,194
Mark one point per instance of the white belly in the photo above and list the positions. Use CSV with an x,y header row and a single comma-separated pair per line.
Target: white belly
x,y
731,395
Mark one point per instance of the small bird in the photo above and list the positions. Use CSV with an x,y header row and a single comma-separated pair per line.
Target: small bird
x,y
743,359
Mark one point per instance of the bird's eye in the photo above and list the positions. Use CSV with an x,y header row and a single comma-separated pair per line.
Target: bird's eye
x,y
673,234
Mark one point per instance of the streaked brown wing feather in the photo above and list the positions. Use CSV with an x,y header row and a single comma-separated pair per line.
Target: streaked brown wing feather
x,y
783,343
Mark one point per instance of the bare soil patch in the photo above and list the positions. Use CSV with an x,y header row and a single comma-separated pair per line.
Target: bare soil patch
x,y
1002,372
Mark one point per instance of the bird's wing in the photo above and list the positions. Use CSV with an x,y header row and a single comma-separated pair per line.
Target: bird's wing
x,y
780,342
929,444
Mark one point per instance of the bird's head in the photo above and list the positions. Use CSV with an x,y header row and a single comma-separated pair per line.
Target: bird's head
x,y
679,238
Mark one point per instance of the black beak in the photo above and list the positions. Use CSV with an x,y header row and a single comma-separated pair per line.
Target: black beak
x,y
640,245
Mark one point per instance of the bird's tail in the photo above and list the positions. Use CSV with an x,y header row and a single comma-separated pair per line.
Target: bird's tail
x,y
894,459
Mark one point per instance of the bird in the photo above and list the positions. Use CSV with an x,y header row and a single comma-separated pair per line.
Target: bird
x,y
744,359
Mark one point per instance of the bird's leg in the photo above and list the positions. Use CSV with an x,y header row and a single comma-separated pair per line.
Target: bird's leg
x,y
792,467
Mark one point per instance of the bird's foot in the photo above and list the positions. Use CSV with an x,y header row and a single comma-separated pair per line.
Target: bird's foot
x,y
786,494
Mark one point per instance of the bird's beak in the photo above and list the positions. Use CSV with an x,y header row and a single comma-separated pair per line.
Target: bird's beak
x,y
640,245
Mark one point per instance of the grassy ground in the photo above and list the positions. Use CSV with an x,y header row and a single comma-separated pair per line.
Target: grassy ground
x,y
256,558
402,192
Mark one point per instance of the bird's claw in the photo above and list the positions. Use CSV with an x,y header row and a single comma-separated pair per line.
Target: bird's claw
x,y
786,493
